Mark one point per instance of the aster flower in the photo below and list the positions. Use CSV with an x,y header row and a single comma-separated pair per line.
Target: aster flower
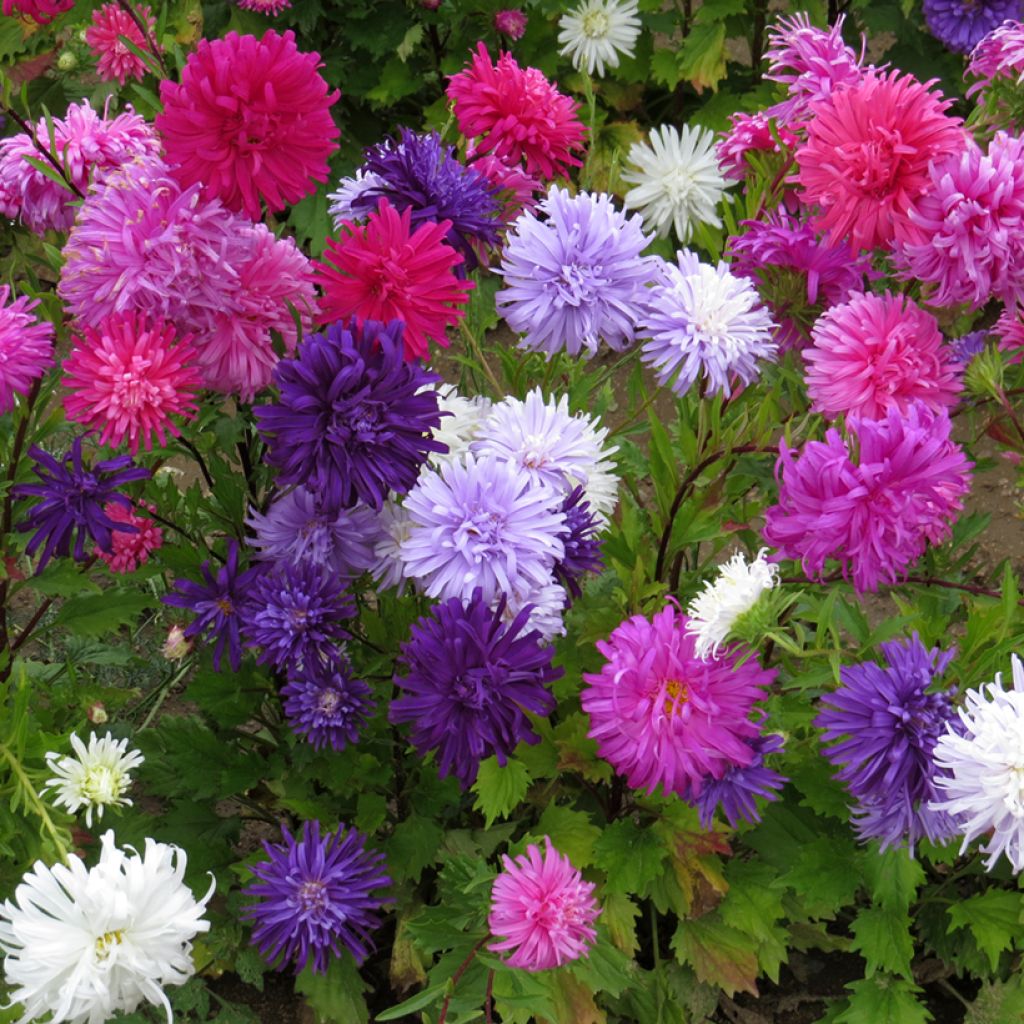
x,y
510,22
26,347
469,681
967,346
867,154
351,421
114,61
544,607
997,57
883,724
542,910
481,522
516,189
384,270
981,765
271,8
42,12
749,133
703,321
315,895
517,114
876,353
677,178
327,705
85,944
664,717
72,501
736,790
393,523
461,419
129,550
961,24
575,277
597,31
125,380
250,120
176,645
579,538
348,192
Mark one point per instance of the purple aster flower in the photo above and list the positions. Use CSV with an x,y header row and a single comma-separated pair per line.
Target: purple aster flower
x,y
72,499
421,174
470,681
315,895
883,724
968,346
217,603
582,548
961,24
735,791
326,705
353,420
481,523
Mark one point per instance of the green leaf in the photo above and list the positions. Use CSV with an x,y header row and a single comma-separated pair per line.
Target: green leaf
x,y
500,788
420,1001
413,847
893,877
882,937
572,832
753,905
998,1001
665,68
618,915
883,1000
93,615
47,169
63,579
250,967
630,856
718,954
337,996
994,919
702,58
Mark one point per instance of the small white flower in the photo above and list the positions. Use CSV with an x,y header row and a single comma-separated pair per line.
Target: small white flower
x,y
349,190
984,786
389,568
596,32
736,590
97,777
85,943
678,180
462,426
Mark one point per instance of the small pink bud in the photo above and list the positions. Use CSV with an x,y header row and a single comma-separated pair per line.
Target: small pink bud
x,y
511,23
96,713
177,645
430,5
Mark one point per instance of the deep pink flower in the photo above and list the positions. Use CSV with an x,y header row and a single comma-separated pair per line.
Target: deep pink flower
x,y
26,347
130,550
664,717
125,380
750,133
867,155
516,188
381,270
875,353
517,114
250,120
40,11
113,59
542,910
271,8
510,22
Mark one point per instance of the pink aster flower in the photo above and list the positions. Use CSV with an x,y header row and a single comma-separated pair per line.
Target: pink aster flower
x,y
126,379
875,353
661,715
867,155
750,133
130,550
516,188
542,910
1009,330
382,270
250,120
271,8
113,59
517,114
26,347
40,11
999,55
510,22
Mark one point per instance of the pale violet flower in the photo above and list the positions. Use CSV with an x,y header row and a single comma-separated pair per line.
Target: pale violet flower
x,y
547,611
462,424
388,568
597,31
349,190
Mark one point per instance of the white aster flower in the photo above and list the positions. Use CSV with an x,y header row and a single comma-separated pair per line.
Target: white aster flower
x,y
678,180
596,32
389,568
984,787
349,190
461,427
85,943
97,777
547,614
713,611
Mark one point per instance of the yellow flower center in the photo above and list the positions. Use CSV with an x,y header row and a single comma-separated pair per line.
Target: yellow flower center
x,y
595,24
106,943
676,695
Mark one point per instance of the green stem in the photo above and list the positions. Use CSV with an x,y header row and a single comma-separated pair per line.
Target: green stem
x,y
36,800
471,340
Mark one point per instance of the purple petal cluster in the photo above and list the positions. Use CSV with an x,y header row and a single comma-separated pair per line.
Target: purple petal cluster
x,y
327,705
961,24
580,541
736,790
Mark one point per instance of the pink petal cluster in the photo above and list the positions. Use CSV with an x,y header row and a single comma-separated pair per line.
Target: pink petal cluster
x,y
510,22
750,133
114,61
874,508
516,188
250,120
999,55
1009,329
271,8
26,347
40,11
876,353
130,550
542,910
661,715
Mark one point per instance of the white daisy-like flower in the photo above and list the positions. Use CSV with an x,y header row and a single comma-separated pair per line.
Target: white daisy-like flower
x,y
85,943
595,33
389,568
459,428
554,446
349,190
97,777
982,771
547,614
734,592
678,180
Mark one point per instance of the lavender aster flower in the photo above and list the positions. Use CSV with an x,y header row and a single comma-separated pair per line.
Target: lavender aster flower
x,y
966,347
961,24
470,679
735,791
582,548
388,568
342,207
315,895
72,498
351,422
326,705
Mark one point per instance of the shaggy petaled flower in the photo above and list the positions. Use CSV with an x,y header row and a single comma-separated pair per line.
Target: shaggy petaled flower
x,y
877,353
517,114
384,270
42,12
677,178
114,61
703,321
516,189
966,347
961,24
545,607
271,8
579,537
1000,55
388,568
542,910
867,154
982,765
736,790
664,717
883,723
250,120
481,522
574,275
750,133
26,347
85,944
876,511
469,681
597,31
327,705
72,500
314,895
510,22
130,550
352,420
461,425
97,776
349,191
125,380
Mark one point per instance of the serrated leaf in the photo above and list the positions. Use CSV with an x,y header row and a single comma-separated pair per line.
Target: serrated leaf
x,y
619,914
572,832
702,58
893,877
630,856
718,954
500,788
998,1002
994,919
412,847
882,937
883,1000
250,967
93,615
336,996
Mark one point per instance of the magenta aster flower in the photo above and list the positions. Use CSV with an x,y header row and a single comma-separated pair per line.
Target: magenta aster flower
x,y
40,11
510,22
542,910
26,347
516,189
750,133
130,550
999,56
326,705
114,61
664,717
961,24
271,8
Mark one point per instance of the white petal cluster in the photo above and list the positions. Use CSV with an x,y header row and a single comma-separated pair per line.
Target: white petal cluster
x,y
349,190
462,424
97,777
595,33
